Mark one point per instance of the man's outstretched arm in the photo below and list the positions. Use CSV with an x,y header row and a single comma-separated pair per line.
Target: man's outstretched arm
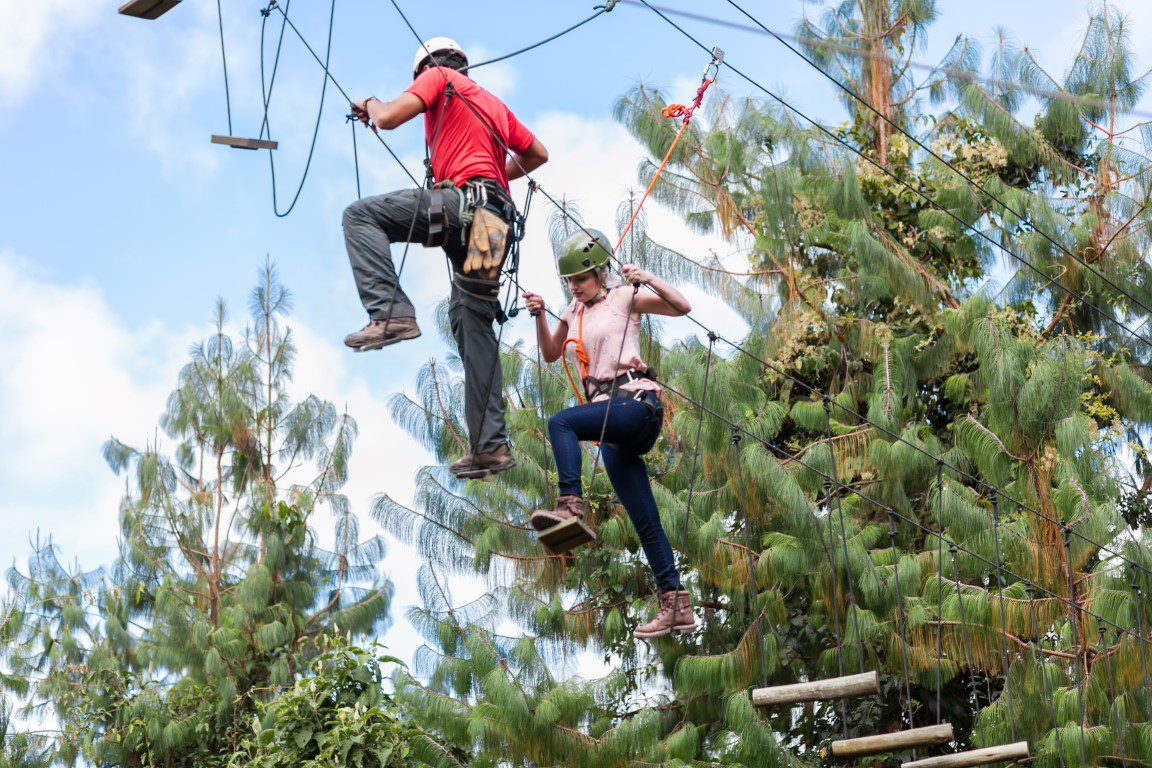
x,y
388,114
527,161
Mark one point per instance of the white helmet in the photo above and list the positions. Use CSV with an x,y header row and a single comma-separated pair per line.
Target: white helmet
x,y
434,46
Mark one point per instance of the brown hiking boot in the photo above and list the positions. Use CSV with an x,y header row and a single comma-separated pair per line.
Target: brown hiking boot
x,y
674,615
567,507
379,333
461,464
475,466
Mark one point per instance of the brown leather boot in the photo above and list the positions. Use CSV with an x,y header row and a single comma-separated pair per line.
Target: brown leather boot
x,y
475,466
567,507
379,333
674,615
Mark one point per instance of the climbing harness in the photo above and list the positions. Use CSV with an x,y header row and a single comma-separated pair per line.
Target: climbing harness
x,y
594,387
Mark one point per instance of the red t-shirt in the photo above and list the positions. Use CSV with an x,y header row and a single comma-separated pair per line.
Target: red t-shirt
x,y
464,147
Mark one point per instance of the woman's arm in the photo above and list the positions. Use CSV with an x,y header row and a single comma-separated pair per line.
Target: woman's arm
x,y
551,342
663,299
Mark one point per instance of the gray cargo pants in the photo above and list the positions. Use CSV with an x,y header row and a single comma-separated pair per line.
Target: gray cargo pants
x,y
371,226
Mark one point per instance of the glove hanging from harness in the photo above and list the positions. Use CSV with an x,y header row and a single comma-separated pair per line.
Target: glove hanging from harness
x,y
488,218
487,244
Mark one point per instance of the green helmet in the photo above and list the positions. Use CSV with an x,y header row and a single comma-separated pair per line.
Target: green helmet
x,y
582,251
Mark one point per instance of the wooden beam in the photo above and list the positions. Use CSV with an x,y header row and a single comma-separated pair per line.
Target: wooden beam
x,y
893,742
998,754
566,536
148,9
818,690
237,142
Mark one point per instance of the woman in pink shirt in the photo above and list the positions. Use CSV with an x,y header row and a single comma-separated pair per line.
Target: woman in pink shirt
x,y
623,409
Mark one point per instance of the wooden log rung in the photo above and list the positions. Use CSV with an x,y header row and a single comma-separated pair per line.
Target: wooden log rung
x,y
238,142
148,9
847,687
997,754
884,743
566,536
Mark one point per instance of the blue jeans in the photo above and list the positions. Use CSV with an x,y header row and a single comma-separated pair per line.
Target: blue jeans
x,y
632,429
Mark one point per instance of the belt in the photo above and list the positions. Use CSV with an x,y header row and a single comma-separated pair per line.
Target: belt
x,y
594,387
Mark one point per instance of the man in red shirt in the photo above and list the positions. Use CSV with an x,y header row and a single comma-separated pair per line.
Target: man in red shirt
x,y
469,134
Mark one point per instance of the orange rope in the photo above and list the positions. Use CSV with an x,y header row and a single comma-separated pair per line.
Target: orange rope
x,y
670,111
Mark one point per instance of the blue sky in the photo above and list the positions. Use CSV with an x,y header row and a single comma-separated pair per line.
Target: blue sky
x,y
120,224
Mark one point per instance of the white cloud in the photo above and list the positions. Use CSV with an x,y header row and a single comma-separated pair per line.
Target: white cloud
x,y
73,376
76,375
499,78
35,38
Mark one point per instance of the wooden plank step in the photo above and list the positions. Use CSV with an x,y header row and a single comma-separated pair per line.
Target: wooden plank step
x,y
237,142
864,684
997,754
148,9
893,742
566,536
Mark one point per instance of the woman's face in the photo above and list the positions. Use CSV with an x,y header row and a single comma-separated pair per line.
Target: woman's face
x,y
584,286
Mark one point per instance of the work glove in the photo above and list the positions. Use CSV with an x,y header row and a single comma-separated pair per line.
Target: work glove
x,y
486,244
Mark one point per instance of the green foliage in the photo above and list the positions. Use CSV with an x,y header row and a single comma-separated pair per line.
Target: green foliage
x,y
221,595
337,715
809,545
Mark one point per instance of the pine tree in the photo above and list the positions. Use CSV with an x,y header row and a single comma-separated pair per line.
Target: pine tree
x,y
221,595
950,515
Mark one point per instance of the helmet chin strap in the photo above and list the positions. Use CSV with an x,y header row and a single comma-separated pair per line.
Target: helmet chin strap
x,y
599,295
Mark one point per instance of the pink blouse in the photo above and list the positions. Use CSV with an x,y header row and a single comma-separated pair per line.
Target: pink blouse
x,y
611,338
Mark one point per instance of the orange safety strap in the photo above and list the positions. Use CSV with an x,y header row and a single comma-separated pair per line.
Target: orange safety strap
x,y
670,111
581,357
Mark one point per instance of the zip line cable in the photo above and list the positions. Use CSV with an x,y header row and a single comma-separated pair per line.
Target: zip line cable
x,y
224,59
966,177
266,90
319,111
600,9
355,154
959,74
328,74
849,411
